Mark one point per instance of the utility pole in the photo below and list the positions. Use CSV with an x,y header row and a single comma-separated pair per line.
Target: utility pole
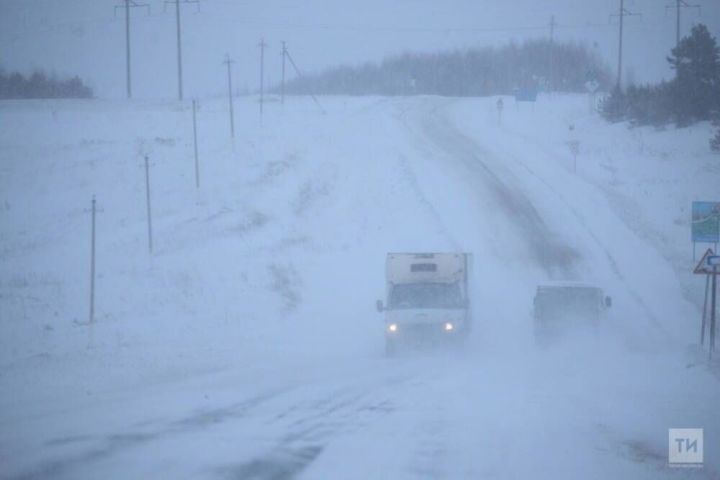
x,y
299,74
197,164
127,47
92,264
179,50
552,53
229,63
282,81
262,46
149,210
179,38
622,13
127,5
680,4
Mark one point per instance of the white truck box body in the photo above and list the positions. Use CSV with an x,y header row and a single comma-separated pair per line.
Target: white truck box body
x,y
425,267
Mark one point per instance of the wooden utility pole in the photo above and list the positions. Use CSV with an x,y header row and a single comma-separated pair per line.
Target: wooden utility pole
x,y
622,13
179,39
127,5
229,63
179,50
679,5
299,74
92,264
149,210
127,47
552,53
195,143
282,81
262,46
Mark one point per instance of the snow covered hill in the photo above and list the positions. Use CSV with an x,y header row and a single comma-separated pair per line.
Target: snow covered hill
x,y
250,328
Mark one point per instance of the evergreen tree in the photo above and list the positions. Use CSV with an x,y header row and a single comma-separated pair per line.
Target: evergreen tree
x,y
471,72
715,141
614,107
39,85
649,104
696,88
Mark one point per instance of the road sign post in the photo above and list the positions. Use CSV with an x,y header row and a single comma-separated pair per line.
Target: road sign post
x,y
713,305
708,266
574,146
704,313
591,85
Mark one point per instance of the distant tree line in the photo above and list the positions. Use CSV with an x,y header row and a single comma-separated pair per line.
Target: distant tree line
x,y
484,71
692,96
40,85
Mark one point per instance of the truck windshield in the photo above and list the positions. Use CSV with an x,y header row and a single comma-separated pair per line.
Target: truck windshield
x,y
563,301
426,295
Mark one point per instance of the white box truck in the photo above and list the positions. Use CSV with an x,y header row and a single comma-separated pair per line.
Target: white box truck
x,y
427,298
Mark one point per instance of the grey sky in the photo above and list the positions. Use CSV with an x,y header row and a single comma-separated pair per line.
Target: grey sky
x,y
83,37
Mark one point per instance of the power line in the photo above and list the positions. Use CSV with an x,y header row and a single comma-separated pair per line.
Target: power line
x,y
622,13
128,4
197,2
261,24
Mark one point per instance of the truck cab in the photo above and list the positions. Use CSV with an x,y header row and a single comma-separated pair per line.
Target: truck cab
x,y
426,300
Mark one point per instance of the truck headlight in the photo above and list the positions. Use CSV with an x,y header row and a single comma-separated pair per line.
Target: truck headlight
x,y
392,327
449,327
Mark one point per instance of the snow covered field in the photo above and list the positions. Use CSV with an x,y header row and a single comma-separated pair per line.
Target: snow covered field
x,y
247,344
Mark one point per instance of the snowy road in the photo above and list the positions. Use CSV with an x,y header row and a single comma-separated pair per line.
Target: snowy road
x,y
436,416
596,407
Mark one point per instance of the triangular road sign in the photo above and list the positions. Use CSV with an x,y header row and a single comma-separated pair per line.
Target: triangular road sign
x,y
702,267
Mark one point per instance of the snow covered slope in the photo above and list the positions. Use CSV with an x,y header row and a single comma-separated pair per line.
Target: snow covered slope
x,y
246,344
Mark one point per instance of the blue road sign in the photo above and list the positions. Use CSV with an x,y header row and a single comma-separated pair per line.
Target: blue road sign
x,y
706,222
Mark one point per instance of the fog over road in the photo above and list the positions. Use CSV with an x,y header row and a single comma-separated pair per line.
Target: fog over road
x,y
595,405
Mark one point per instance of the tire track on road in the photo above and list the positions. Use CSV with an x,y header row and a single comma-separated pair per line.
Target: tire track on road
x,y
557,259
